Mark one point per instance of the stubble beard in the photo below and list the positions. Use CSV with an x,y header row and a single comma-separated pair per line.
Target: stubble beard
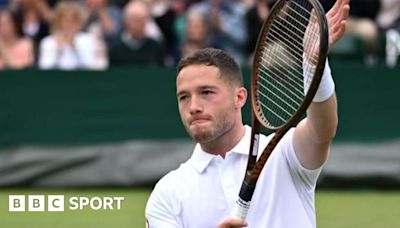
x,y
214,130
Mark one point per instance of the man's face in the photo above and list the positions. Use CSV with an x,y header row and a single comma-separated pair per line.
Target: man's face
x,y
206,103
196,28
70,22
135,23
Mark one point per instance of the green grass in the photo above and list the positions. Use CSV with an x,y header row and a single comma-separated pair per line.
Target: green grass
x,y
335,209
364,209
131,213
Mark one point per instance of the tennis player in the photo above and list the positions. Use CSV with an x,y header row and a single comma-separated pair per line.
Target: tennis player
x,y
203,190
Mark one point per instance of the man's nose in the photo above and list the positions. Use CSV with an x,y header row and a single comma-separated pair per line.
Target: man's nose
x,y
195,105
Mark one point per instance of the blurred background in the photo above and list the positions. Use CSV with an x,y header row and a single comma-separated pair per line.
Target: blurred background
x,y
88,107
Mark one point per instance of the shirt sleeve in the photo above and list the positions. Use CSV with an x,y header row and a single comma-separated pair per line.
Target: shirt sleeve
x,y
303,176
163,207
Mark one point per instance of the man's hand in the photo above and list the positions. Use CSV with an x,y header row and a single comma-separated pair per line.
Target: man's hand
x,y
336,18
233,223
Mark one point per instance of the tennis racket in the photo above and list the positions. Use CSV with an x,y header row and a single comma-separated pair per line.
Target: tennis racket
x,y
287,69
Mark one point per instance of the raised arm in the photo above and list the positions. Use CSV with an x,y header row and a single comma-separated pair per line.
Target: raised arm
x,y
314,134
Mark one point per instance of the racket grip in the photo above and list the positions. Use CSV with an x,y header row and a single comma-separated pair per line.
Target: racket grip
x,y
243,203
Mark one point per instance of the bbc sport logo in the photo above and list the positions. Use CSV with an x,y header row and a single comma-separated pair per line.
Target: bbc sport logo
x,y
56,203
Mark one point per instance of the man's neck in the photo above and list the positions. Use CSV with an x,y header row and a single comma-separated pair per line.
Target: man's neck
x,y
226,142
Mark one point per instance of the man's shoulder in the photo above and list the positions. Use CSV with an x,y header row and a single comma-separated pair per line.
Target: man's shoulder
x,y
176,177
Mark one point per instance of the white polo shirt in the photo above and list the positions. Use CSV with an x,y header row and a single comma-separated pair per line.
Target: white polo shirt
x,y
201,193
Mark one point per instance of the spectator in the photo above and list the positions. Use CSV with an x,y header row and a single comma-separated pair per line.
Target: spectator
x,y
362,23
152,29
255,18
35,16
15,51
67,48
389,21
227,20
134,47
103,19
164,15
197,33
361,26
389,15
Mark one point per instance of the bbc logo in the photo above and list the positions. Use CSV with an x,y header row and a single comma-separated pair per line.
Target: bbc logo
x,y
35,203
41,203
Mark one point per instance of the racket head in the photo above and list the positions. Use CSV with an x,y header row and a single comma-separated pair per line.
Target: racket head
x,y
278,94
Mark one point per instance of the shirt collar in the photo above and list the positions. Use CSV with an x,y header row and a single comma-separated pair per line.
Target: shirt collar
x,y
201,159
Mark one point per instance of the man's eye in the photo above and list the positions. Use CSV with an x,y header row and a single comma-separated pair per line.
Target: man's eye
x,y
182,98
207,92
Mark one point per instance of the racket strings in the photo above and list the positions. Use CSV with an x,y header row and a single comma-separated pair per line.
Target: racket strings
x,y
282,100
294,96
283,79
270,44
294,77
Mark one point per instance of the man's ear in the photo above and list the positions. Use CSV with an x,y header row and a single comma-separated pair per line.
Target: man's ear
x,y
240,97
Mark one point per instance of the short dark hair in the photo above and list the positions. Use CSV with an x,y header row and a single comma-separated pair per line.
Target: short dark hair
x,y
229,69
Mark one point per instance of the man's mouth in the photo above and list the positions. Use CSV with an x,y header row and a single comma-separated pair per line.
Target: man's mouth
x,y
198,121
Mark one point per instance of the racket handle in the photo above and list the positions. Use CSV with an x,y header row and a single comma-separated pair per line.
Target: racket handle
x,y
241,208
243,203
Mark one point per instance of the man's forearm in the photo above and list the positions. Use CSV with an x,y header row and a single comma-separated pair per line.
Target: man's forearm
x,y
322,120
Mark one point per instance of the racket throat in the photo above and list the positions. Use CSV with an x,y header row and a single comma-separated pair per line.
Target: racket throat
x,y
254,145
254,149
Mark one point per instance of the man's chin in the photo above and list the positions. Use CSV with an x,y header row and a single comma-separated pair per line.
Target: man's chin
x,y
202,138
200,134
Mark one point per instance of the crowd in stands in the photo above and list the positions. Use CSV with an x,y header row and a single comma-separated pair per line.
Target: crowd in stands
x,y
375,22
98,34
